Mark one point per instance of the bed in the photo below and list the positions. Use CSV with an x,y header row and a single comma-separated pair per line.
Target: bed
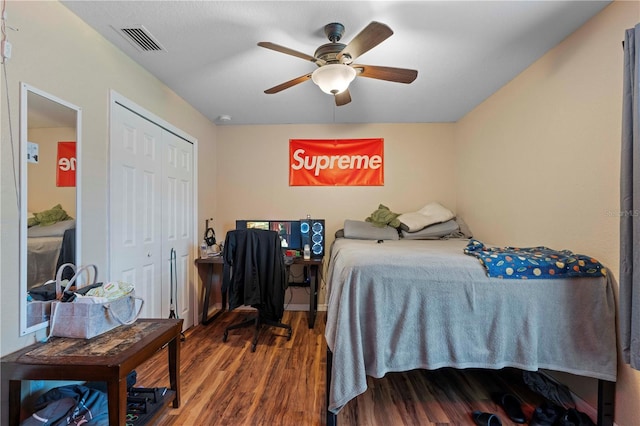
x,y
48,246
398,304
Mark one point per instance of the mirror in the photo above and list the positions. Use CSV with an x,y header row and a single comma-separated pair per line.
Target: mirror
x,y
49,196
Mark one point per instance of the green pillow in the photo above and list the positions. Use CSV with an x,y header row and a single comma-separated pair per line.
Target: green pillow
x,y
49,217
383,217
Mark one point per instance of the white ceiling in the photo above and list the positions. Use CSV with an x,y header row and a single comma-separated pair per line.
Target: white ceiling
x,y
463,50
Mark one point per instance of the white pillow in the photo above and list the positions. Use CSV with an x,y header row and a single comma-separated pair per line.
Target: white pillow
x,y
437,211
413,221
428,215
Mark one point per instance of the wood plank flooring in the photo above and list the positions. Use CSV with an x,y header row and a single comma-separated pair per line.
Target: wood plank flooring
x,y
283,383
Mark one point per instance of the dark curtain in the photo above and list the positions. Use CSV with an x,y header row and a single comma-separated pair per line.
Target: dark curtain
x,y
630,203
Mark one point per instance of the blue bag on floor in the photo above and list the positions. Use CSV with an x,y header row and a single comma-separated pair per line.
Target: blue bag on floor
x,y
70,405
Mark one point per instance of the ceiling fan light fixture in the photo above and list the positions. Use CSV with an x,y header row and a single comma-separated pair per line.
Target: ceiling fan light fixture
x,y
333,78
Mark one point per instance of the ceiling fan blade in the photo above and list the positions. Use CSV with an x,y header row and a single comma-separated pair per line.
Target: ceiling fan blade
x,y
287,84
343,98
398,75
371,36
288,51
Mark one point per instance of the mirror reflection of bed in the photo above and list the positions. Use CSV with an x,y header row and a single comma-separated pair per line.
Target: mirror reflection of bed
x,y
48,186
48,247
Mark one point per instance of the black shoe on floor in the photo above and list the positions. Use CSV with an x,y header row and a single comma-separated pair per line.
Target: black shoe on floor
x,y
574,417
546,414
511,405
485,419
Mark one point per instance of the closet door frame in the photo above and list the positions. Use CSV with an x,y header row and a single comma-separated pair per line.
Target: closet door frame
x,y
116,100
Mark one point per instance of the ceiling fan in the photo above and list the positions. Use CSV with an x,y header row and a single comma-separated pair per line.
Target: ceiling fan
x,y
336,69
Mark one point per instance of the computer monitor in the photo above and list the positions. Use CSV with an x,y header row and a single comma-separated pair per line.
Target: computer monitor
x,y
288,230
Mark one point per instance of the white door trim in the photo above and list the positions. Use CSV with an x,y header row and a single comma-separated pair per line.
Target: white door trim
x,y
115,99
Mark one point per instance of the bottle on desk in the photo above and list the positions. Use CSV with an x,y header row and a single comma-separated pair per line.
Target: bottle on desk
x,y
204,250
307,252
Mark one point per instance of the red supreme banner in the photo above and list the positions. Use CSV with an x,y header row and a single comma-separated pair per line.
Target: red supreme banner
x,y
336,162
66,164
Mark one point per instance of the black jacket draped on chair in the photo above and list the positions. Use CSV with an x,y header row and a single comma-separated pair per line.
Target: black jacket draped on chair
x,y
254,271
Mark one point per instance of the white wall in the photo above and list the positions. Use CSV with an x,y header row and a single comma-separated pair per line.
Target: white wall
x,y
538,163
56,52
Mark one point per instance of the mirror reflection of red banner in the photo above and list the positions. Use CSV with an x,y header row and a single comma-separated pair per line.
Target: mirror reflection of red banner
x,y
336,162
66,164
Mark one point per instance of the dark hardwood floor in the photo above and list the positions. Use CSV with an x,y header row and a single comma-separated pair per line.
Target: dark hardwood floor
x,y
283,383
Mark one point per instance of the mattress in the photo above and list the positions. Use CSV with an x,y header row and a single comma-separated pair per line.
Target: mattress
x,y
44,244
402,305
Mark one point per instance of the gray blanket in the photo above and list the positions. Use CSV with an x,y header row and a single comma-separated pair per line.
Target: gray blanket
x,y
403,305
42,256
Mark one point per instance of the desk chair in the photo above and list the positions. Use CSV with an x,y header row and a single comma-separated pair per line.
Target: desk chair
x,y
255,275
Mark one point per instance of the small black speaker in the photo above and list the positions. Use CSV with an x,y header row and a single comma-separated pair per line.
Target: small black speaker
x,y
317,238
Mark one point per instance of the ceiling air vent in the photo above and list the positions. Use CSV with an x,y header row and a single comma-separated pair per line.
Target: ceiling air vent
x,y
140,37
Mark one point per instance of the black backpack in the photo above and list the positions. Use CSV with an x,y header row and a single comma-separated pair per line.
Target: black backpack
x,y
70,405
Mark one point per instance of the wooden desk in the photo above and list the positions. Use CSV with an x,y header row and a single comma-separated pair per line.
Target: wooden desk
x,y
106,358
210,270
315,275
213,274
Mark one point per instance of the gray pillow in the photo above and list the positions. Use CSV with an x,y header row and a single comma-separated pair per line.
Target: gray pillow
x,y
360,230
433,232
464,228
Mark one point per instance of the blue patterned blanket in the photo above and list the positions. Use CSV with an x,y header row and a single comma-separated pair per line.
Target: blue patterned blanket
x,y
533,262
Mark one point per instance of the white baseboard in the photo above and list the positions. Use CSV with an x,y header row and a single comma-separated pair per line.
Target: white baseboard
x,y
303,307
289,307
581,405
296,307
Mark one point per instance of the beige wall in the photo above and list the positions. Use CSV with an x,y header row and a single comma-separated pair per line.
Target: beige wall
x,y
553,133
43,193
56,52
538,162
253,180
